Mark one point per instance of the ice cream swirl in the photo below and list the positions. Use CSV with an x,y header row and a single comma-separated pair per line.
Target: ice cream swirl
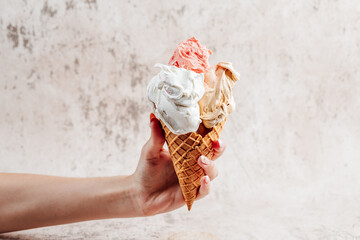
x,y
218,100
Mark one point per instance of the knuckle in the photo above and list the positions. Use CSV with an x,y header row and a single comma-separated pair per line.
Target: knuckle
x,y
144,152
211,165
214,173
203,193
207,191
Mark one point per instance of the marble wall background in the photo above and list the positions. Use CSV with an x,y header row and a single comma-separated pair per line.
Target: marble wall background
x,y
73,76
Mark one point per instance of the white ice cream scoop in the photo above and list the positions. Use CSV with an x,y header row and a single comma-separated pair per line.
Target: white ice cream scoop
x,y
175,93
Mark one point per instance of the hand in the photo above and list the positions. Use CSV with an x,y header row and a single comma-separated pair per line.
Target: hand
x,y
155,179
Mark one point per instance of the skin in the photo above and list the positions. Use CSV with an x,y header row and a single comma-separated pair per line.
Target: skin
x,y
31,201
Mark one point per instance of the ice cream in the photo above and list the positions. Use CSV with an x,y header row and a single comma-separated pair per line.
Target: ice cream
x,y
175,93
191,55
192,101
218,100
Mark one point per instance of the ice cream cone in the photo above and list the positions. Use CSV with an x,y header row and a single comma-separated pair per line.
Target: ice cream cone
x,y
185,150
185,93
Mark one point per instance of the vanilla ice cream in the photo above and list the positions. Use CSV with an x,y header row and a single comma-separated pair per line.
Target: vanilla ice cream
x,y
175,93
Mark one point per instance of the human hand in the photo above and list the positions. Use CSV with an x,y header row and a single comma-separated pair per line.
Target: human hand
x,y
155,180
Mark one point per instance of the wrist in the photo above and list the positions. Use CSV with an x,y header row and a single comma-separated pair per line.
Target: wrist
x,y
122,198
141,198
136,194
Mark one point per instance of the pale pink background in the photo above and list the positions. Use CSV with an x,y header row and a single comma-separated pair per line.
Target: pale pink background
x,y
73,78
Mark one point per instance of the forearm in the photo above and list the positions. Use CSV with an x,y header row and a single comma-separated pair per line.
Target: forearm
x,y
29,201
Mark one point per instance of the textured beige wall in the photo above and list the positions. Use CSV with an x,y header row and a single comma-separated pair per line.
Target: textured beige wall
x,y
73,78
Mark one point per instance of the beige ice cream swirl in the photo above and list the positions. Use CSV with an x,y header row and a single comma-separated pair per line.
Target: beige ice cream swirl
x,y
218,101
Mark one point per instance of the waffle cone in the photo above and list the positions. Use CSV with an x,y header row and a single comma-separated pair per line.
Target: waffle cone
x,y
185,151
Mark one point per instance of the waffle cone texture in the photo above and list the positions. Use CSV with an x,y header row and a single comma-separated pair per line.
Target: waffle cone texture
x,y
184,152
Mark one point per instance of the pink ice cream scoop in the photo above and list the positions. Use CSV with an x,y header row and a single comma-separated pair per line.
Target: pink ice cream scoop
x,y
191,55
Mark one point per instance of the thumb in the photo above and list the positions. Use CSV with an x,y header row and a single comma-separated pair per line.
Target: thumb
x,y
157,139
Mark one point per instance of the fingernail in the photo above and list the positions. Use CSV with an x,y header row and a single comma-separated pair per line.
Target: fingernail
x,y
152,117
220,143
204,160
207,179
